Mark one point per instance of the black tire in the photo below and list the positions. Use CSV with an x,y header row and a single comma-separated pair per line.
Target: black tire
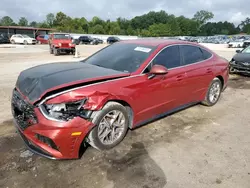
x,y
93,138
207,101
55,51
50,50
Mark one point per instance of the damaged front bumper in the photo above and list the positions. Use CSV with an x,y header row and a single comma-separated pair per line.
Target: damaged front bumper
x,y
50,139
239,67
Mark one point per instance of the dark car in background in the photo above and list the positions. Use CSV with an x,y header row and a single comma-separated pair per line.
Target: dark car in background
x,y
87,40
240,63
246,43
75,41
112,40
4,39
100,41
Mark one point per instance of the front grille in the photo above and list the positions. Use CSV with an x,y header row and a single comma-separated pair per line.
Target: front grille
x,y
65,45
22,111
243,64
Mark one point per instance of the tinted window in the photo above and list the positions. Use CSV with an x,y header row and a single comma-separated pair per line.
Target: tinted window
x,y
41,36
121,56
169,57
191,54
206,54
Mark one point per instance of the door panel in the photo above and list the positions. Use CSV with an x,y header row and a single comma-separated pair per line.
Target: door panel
x,y
163,93
158,95
199,72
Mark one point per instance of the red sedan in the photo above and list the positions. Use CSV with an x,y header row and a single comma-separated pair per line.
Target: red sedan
x,y
60,107
42,39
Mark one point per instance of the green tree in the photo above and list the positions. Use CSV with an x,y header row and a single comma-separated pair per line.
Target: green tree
x,y
6,21
145,33
23,21
50,19
60,19
33,24
160,30
203,16
114,28
130,30
97,29
43,25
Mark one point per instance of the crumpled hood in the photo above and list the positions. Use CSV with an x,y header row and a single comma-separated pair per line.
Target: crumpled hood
x,y
242,57
37,81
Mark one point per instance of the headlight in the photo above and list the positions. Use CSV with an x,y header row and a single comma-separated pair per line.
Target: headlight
x,y
70,44
60,44
65,111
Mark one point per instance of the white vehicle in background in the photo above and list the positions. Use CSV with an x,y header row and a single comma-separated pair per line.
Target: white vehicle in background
x,y
235,44
22,39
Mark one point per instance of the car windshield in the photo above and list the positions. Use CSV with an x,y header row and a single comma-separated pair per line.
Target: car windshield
x,y
121,57
246,50
61,36
26,36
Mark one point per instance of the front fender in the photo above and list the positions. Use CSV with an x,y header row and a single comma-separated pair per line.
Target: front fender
x,y
96,100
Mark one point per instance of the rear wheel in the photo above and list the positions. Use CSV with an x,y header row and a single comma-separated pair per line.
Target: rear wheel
x,y
13,42
213,93
111,126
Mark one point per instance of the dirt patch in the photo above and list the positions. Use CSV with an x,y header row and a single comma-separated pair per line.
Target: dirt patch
x,y
7,127
239,82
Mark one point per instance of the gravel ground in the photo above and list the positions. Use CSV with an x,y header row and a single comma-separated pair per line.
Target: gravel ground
x,y
199,147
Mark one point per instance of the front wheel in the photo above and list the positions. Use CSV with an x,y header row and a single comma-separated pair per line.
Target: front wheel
x,y
25,42
56,52
213,93
111,126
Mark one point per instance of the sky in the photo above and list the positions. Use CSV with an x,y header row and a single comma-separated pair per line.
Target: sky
x,y
36,10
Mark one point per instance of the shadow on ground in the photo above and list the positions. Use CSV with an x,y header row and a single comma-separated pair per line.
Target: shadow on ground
x,y
134,170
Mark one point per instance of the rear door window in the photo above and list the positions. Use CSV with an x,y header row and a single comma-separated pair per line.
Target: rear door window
x,y
191,54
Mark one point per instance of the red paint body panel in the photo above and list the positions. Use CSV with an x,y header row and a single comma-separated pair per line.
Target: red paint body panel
x,y
60,133
42,40
146,97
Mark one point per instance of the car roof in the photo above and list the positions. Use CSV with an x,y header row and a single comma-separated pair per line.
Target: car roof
x,y
156,42
59,33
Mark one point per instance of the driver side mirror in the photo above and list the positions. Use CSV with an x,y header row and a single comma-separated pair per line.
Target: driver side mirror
x,y
238,51
157,70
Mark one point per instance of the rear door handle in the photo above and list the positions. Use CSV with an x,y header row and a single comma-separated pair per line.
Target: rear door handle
x,y
209,70
179,77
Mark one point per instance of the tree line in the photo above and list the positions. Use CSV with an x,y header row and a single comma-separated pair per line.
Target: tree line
x,y
155,24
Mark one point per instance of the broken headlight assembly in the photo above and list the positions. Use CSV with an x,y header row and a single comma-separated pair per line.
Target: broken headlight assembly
x,y
65,111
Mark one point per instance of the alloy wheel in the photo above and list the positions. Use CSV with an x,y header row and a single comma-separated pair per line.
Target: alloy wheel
x,y
214,92
111,127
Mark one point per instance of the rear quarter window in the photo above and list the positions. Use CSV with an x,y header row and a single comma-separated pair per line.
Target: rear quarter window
x,y
206,54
